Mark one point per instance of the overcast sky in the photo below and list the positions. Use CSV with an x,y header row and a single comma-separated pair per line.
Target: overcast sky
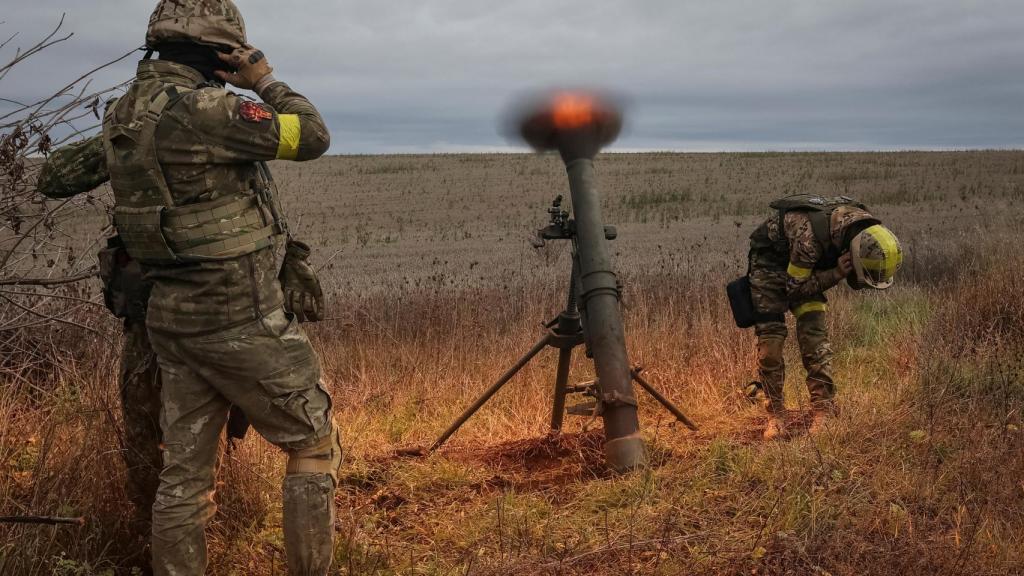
x,y
701,75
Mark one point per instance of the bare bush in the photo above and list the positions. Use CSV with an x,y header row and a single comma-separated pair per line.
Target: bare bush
x,y
45,264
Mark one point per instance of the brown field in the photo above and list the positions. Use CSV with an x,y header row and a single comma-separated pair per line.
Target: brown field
x,y
435,290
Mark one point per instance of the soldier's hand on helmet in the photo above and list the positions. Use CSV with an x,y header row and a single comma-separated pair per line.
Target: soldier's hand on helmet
x,y
302,293
250,67
845,265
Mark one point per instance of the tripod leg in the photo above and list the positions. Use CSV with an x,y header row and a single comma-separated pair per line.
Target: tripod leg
x,y
635,373
561,381
490,392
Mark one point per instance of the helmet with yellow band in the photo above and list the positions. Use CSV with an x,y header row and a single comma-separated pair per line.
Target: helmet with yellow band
x,y
876,255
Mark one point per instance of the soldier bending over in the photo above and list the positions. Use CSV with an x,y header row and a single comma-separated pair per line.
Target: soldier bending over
x,y
806,247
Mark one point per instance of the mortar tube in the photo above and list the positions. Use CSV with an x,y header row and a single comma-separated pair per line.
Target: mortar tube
x,y
599,298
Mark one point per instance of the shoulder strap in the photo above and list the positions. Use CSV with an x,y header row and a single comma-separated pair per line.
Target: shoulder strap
x,y
821,225
147,132
266,193
783,241
111,131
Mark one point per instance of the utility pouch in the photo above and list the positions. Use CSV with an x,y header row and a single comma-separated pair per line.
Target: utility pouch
x,y
107,257
125,293
742,303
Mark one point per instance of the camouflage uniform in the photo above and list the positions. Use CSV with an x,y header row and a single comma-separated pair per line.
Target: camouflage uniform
x,y
790,269
216,320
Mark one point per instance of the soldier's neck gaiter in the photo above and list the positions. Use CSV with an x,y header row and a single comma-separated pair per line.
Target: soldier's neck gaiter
x,y
201,58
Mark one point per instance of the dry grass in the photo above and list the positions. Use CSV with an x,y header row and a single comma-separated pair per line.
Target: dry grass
x,y
435,292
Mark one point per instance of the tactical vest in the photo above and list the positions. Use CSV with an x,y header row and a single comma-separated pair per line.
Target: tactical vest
x,y
819,211
154,230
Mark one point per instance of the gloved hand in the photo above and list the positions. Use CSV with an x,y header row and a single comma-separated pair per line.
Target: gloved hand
x,y
845,264
250,67
302,293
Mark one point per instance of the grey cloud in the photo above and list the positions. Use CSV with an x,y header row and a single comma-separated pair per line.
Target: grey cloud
x,y
408,75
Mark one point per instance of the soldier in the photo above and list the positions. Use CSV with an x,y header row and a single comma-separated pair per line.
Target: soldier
x,y
125,293
808,246
80,168
194,206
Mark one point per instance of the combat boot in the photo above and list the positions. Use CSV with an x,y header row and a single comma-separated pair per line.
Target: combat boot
x,y
775,428
820,422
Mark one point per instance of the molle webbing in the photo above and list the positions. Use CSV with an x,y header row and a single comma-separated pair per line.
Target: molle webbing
x,y
819,213
223,228
141,230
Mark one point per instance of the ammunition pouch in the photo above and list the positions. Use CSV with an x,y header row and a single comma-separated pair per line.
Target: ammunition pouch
x,y
220,229
125,293
744,312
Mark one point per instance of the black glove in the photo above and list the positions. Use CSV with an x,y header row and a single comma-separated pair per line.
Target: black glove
x,y
302,293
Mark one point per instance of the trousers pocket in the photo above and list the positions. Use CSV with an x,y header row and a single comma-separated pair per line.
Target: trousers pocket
x,y
292,390
297,377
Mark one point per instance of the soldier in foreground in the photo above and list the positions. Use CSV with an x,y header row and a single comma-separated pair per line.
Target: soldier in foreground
x,y
184,158
806,247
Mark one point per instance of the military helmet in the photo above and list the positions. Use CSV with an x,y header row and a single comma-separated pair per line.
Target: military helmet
x,y
216,23
876,256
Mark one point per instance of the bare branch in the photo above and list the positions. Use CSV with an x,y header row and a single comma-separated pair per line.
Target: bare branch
x,y
51,520
39,47
5,42
90,273
44,253
50,318
57,296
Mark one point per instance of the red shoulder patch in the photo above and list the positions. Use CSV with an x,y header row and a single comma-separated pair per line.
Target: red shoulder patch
x,y
254,112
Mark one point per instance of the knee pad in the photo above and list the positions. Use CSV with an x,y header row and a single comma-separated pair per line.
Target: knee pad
x,y
324,457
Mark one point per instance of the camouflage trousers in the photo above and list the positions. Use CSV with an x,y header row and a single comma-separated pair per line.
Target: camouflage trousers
x,y
268,369
815,351
140,410
768,290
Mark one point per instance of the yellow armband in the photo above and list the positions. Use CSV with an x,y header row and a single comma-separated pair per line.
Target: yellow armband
x,y
798,272
291,132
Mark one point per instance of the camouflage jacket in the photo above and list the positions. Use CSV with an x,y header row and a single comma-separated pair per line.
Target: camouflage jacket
x,y
807,270
207,148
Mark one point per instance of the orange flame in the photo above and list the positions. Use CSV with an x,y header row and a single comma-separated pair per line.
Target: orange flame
x,y
571,110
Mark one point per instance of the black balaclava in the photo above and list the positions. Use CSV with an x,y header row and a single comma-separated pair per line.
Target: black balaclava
x,y
197,56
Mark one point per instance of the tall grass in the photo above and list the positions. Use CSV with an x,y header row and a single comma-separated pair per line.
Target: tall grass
x,y
920,474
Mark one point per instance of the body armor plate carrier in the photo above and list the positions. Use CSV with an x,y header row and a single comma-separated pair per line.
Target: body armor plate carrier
x,y
154,230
